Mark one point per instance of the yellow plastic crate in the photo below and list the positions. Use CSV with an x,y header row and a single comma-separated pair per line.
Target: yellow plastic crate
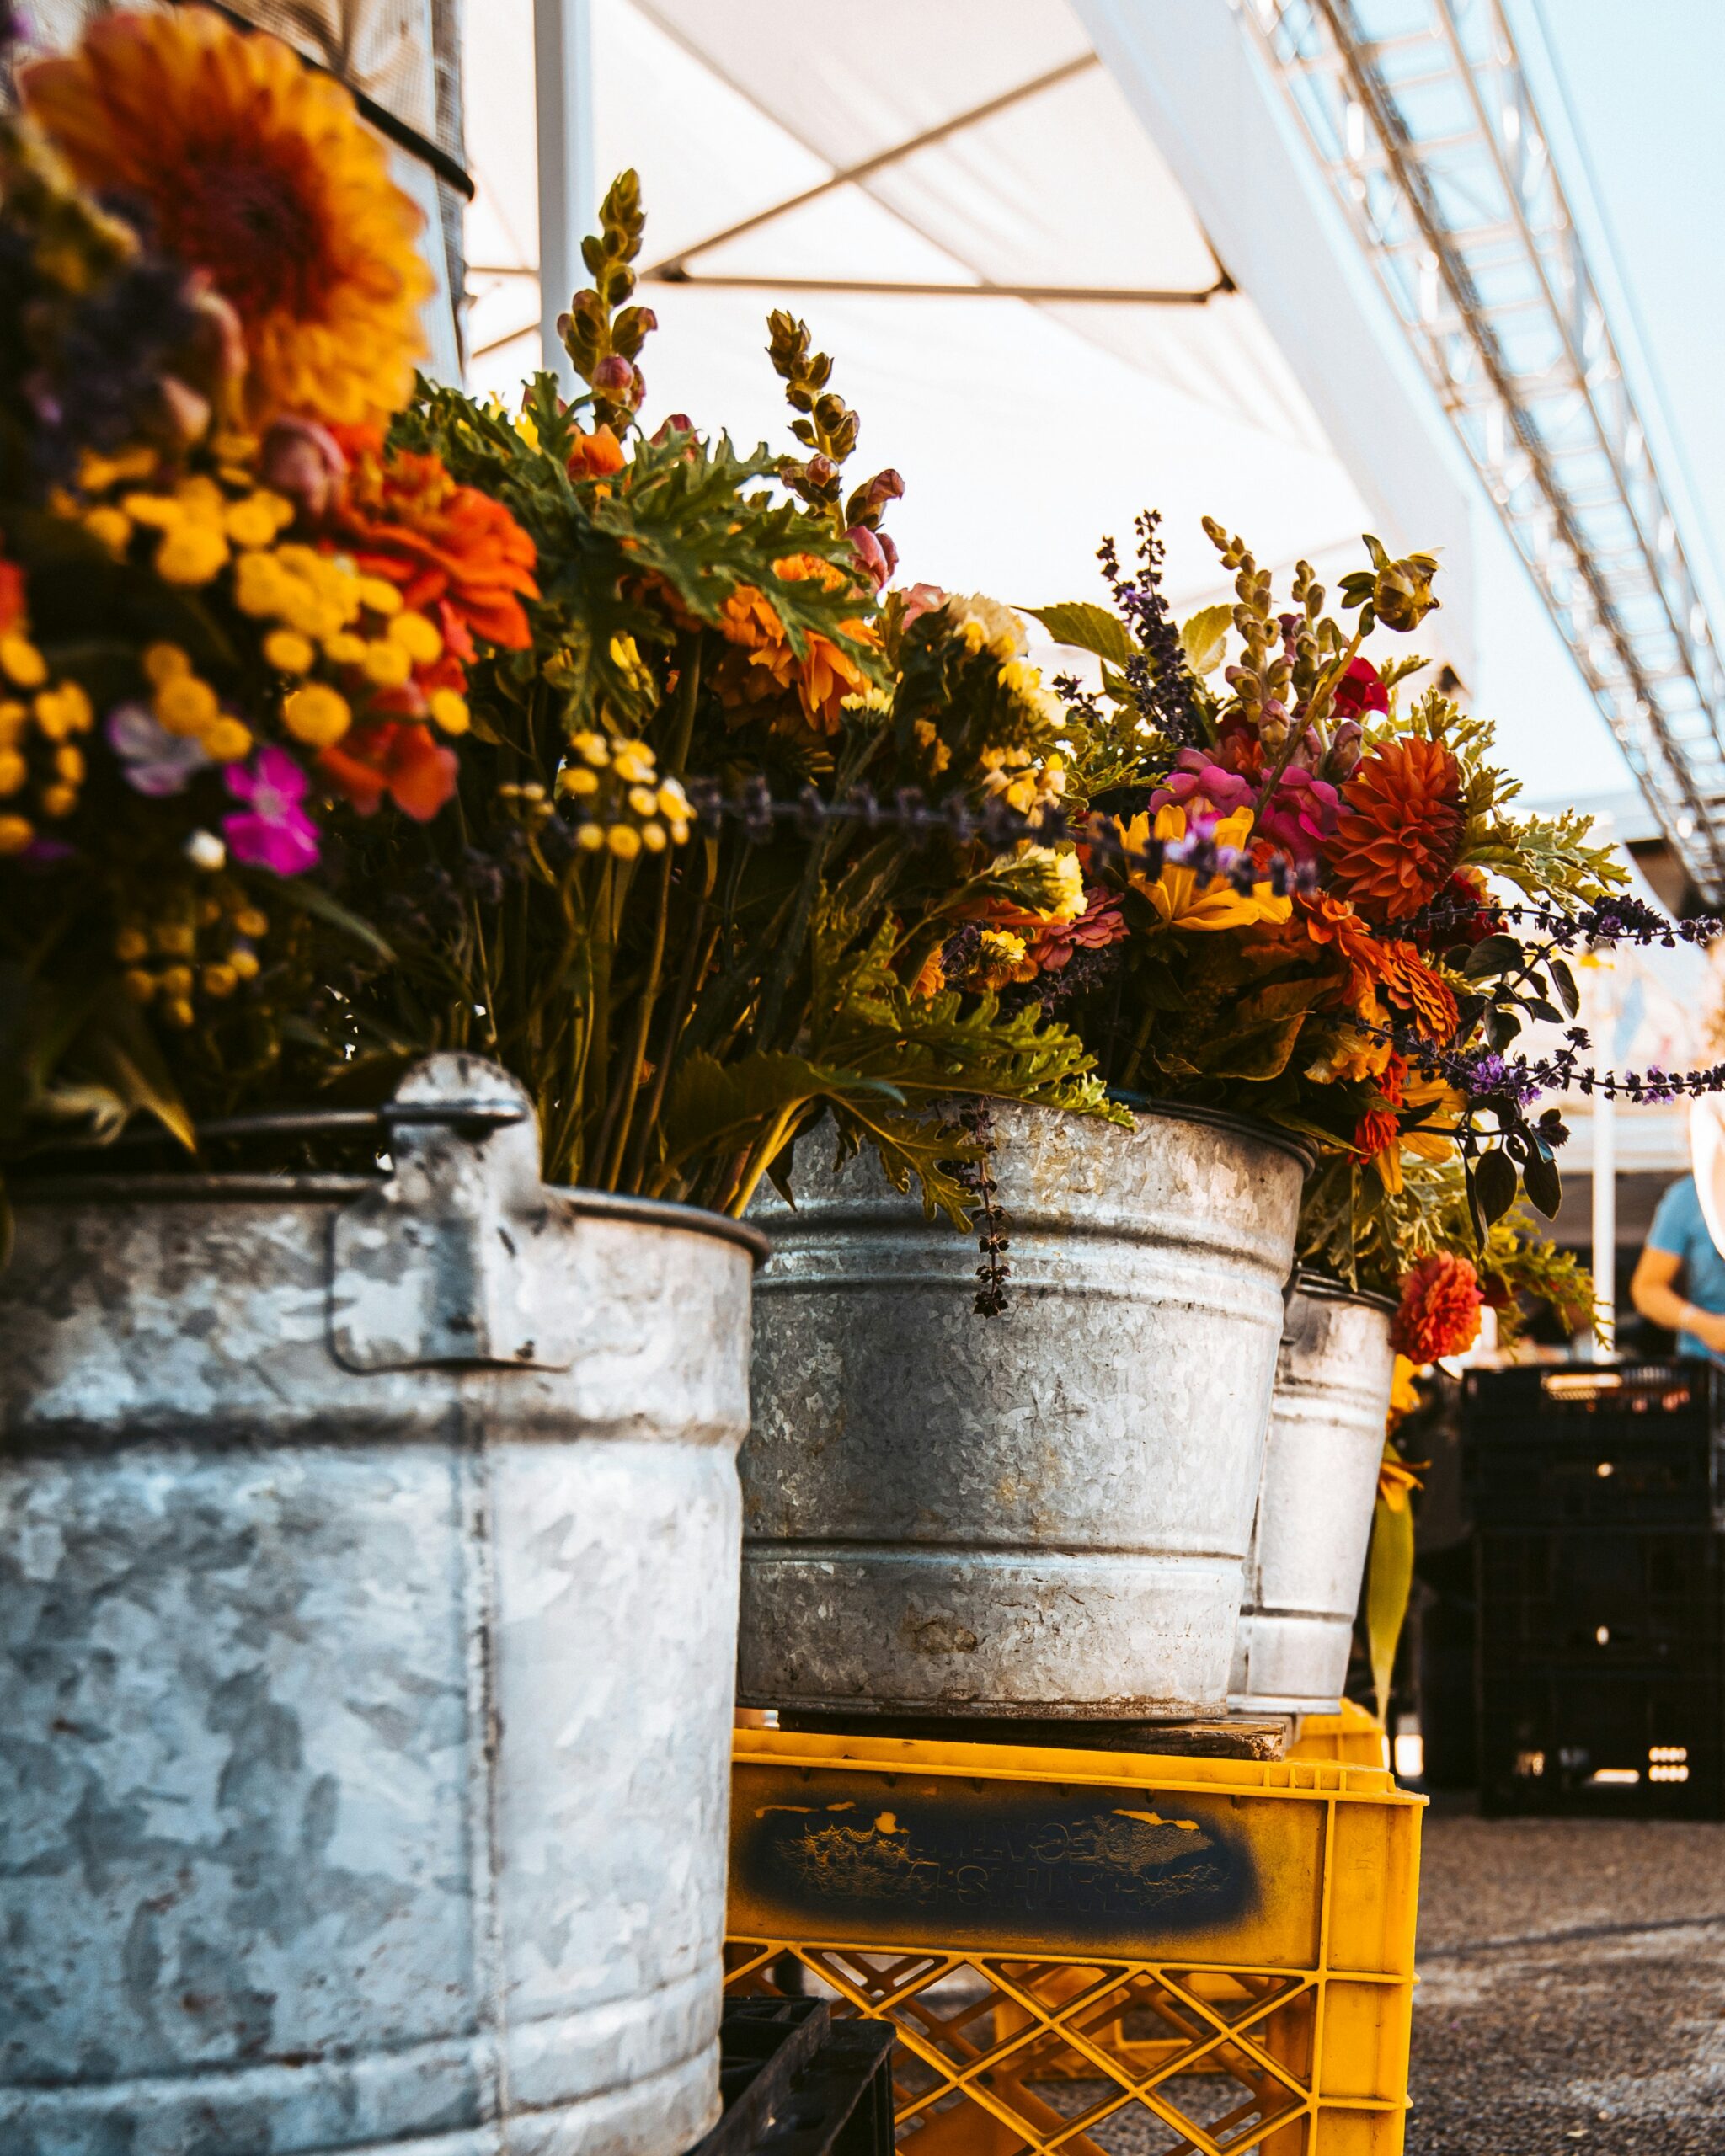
x,y
1355,1737
1092,1951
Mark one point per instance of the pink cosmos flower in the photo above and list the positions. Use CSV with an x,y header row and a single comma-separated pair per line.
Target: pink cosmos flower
x,y
275,833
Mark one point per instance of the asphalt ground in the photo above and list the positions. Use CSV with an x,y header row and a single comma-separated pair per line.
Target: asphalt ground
x,y
1572,1994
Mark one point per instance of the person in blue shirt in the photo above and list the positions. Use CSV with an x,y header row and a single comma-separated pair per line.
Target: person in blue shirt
x,y
1680,1279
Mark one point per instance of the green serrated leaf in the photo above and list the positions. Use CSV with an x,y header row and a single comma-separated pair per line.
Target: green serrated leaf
x,y
1086,627
1204,639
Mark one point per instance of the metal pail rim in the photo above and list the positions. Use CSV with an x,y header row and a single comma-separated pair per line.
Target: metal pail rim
x,y
335,1190
1321,1286
1242,1126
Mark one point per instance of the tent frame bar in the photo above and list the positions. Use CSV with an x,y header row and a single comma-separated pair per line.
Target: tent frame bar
x,y
848,175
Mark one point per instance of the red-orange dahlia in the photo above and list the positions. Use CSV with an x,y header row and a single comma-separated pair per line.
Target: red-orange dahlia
x,y
1440,1312
451,552
1400,825
398,757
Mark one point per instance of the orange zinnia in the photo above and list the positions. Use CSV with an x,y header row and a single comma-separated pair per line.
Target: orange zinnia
x,y
1400,825
1439,1310
451,551
246,164
1411,983
823,677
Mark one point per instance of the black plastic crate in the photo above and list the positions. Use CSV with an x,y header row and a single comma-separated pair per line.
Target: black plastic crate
x,y
1630,1445
1627,1744
1590,1599
797,2083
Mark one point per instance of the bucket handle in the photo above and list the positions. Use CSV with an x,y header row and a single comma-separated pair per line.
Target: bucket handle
x,y
450,1260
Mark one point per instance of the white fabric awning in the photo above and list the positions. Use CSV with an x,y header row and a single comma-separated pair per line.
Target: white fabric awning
x,y
1021,303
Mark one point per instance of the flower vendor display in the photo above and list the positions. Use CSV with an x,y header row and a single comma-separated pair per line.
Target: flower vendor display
x,y
379,797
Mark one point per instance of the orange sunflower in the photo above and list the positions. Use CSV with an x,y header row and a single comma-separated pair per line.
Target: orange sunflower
x,y
1399,829
242,163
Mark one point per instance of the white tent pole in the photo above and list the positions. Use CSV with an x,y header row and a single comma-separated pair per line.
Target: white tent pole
x,y
563,75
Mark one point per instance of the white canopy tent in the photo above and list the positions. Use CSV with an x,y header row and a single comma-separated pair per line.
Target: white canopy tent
x,y
989,212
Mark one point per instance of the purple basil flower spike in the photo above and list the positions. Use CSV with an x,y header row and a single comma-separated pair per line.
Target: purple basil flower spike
x,y
155,762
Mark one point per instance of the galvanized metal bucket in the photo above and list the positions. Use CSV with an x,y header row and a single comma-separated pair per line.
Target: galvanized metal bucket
x,y
1040,1515
368,1553
1315,1505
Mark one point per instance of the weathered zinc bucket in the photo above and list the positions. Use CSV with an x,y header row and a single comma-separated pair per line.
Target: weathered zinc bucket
x,y
368,1556
1315,1505
1043,1514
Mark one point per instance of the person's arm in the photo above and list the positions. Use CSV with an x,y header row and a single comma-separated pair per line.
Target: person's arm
x,y
1653,1291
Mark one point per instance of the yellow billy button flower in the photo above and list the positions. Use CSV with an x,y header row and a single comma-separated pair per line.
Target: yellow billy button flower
x,y
344,649
59,801
219,980
226,741
138,984
12,716
652,837
380,596
191,554
243,963
449,710
593,749
22,663
248,921
386,665
261,586
317,715
624,840
13,771
164,662
289,652
673,802
186,705
63,711
16,833
417,637
576,779
252,522
590,837
109,527
643,800
634,764
69,764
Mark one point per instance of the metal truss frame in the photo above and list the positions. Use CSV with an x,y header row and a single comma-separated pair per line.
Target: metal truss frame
x,y
1420,116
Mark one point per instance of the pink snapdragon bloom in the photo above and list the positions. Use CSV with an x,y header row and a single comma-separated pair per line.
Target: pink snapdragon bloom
x,y
922,599
274,832
1198,784
1302,815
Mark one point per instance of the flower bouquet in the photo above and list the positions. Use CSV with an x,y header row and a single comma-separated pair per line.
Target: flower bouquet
x,y
339,731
